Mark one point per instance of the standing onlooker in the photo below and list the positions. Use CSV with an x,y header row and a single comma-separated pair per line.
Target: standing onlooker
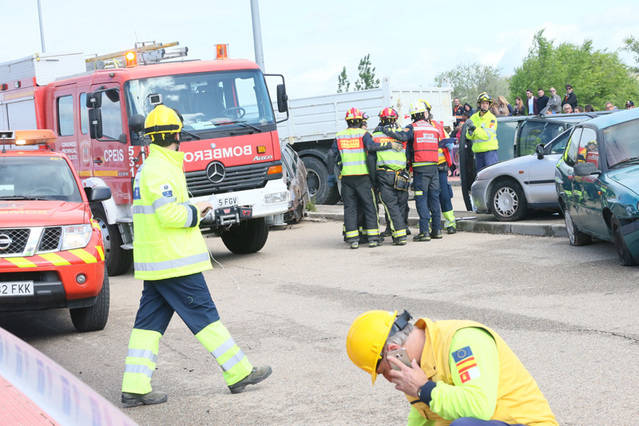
x,y
610,106
530,102
567,108
519,108
554,102
589,108
503,107
541,102
458,111
578,109
570,97
630,104
468,110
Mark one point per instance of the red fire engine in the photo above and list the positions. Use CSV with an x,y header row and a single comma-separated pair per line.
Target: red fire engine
x,y
230,136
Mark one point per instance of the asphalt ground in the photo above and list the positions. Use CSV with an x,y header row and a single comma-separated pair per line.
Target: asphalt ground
x,y
569,313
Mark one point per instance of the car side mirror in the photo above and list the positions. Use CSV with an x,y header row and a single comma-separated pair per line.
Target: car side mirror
x,y
97,193
136,123
586,169
95,123
94,100
539,149
282,98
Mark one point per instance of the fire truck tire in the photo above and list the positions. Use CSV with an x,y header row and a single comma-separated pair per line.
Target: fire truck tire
x,y
117,259
317,181
94,317
246,237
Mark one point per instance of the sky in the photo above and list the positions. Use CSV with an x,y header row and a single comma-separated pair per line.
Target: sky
x,y
410,42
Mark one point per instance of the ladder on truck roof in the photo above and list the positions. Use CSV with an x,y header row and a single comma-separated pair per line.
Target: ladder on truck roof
x,y
146,53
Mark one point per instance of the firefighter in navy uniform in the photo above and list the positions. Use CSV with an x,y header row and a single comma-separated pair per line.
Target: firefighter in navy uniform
x,y
391,177
422,148
169,255
352,146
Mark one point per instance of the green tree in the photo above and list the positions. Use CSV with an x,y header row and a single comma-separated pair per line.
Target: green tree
x,y
632,46
366,74
597,76
469,80
342,82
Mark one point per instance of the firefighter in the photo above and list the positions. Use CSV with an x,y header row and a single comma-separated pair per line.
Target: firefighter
x,y
170,255
482,130
444,162
423,139
392,178
352,145
459,371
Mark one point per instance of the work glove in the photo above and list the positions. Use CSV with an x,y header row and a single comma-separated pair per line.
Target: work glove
x,y
331,180
470,127
397,147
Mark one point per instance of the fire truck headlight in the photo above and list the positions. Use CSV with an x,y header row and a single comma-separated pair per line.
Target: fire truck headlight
x,y
75,236
276,197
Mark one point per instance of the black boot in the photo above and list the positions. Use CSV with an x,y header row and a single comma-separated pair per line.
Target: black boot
x,y
135,399
257,375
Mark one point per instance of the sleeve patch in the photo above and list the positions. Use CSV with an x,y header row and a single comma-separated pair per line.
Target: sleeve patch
x,y
136,193
166,190
466,364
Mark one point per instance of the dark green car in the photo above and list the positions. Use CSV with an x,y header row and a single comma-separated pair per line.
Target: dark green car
x,y
597,181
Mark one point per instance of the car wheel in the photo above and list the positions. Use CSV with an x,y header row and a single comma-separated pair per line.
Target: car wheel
x,y
507,201
575,236
625,257
94,317
317,182
117,259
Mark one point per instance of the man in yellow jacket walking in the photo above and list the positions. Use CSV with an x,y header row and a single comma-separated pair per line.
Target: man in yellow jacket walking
x,y
458,373
170,254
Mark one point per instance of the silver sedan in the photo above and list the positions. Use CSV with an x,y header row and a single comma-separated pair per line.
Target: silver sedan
x,y
508,189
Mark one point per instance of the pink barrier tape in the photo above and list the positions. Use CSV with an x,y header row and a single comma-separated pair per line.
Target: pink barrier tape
x,y
52,388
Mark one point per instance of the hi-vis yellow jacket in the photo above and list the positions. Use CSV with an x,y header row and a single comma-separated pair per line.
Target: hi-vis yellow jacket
x,y
167,242
485,135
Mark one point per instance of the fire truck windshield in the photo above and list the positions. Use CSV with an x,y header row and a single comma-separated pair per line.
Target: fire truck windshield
x,y
37,178
207,101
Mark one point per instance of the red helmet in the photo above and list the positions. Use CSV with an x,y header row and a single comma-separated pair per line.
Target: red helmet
x,y
354,114
389,114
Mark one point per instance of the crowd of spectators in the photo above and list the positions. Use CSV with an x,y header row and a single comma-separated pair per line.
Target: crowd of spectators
x,y
534,105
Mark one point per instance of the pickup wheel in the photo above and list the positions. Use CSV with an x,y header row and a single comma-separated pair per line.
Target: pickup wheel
x,y
507,201
94,317
117,259
317,181
246,237
575,236
625,256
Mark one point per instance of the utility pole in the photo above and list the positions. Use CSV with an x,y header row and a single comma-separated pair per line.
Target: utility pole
x,y
41,28
257,34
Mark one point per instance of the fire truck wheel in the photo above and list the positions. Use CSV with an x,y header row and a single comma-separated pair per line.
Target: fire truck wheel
x,y
118,260
246,237
94,317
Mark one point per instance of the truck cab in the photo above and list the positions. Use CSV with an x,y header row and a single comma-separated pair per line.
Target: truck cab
x,y
51,251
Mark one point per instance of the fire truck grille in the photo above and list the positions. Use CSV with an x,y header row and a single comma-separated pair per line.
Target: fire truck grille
x,y
13,241
235,179
50,239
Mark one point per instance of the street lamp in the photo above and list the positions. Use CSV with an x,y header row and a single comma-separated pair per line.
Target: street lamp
x,y
41,28
257,34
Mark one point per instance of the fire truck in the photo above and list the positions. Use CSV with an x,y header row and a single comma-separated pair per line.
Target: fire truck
x,y
51,250
232,151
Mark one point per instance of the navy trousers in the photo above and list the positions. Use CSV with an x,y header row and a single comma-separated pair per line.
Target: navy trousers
x,y
485,159
188,296
426,185
470,421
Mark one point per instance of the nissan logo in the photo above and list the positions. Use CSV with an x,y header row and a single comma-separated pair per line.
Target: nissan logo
x,y
5,241
215,172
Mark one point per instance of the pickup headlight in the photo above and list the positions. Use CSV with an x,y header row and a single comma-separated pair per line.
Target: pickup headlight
x,y
75,236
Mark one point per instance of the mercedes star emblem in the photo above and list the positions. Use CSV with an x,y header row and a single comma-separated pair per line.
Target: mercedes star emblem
x,y
215,172
5,241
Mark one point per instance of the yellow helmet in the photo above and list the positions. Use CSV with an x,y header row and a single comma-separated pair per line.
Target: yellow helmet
x,y
417,108
426,104
162,121
366,338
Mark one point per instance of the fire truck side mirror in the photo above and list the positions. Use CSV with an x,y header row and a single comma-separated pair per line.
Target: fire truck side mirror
x,y
95,123
94,100
282,98
98,193
136,123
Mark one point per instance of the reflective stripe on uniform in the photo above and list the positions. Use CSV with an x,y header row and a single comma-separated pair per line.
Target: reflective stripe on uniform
x,y
169,264
141,369
230,363
142,353
223,348
351,234
163,201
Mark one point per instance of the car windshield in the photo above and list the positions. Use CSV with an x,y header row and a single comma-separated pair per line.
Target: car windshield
x,y
207,101
37,178
622,143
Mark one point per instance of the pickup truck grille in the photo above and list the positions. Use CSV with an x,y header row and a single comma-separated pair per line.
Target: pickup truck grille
x,y
16,240
236,179
50,239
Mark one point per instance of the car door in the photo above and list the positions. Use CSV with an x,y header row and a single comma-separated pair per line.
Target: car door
x,y
540,179
590,208
565,174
